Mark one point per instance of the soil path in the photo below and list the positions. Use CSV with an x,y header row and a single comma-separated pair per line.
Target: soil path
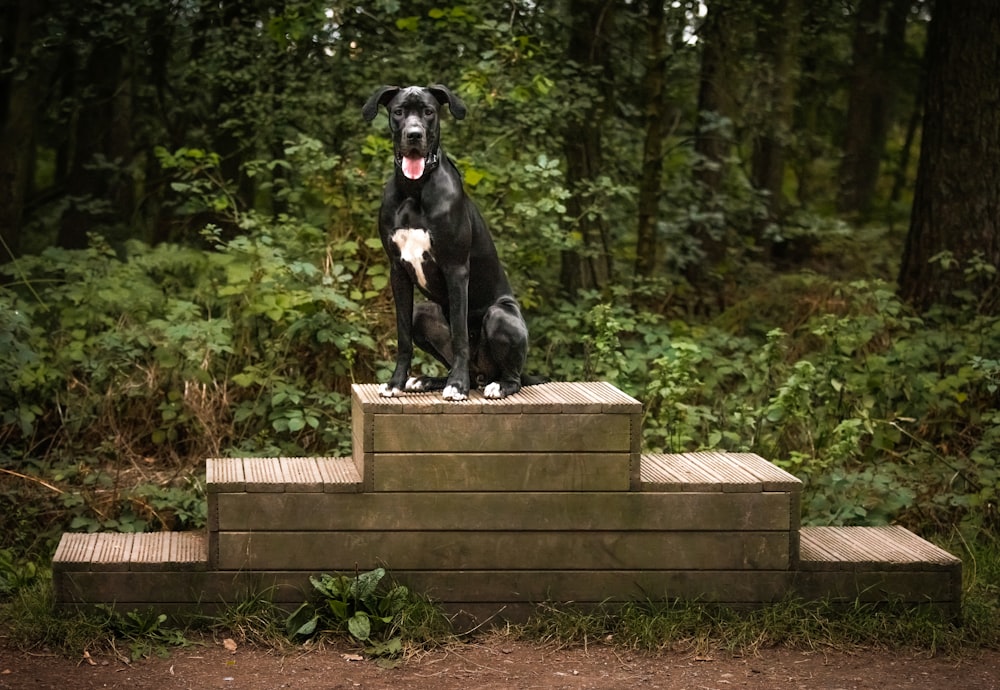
x,y
494,663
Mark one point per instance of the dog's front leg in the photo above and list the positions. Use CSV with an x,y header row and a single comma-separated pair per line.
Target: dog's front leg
x,y
402,295
457,387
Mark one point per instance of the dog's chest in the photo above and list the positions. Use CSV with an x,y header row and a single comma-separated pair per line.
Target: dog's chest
x,y
414,246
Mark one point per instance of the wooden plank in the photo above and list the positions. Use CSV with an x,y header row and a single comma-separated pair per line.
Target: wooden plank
x,y
500,472
155,587
534,586
490,511
75,551
263,475
675,472
301,474
339,475
773,477
112,551
865,548
869,586
553,397
502,433
503,550
574,398
713,471
442,586
224,474
173,551
362,434
733,476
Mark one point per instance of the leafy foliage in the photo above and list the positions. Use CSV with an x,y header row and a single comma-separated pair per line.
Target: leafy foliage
x,y
375,617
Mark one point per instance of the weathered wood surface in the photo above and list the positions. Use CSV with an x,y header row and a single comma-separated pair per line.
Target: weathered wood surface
x,y
275,475
570,419
714,471
502,550
477,433
106,552
594,397
440,472
491,511
498,505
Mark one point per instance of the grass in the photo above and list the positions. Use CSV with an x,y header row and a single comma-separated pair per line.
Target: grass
x,y
29,620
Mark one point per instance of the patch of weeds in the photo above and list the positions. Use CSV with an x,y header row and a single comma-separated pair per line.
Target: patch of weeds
x,y
699,627
255,619
15,573
380,618
31,621
145,631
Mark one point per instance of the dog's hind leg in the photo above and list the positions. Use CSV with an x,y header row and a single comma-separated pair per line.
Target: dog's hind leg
x,y
505,338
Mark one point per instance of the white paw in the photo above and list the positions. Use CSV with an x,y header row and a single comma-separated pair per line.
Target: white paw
x,y
452,393
387,392
493,391
414,384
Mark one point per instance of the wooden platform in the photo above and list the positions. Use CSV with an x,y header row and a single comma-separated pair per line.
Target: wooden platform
x,y
492,506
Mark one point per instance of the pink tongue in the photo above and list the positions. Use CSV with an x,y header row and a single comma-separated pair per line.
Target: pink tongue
x,y
413,168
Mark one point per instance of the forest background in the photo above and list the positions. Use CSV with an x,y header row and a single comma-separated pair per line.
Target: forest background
x,y
774,222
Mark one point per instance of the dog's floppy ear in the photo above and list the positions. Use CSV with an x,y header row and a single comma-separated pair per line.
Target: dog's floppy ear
x,y
382,96
444,95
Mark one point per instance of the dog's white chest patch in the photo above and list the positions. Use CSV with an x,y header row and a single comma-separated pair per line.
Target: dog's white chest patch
x,y
413,243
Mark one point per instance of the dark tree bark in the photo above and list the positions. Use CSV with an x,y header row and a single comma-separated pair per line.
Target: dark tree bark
x,y
721,38
956,205
652,153
717,37
878,46
590,46
101,139
19,94
777,40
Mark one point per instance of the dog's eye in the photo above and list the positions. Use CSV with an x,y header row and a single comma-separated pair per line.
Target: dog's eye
x,y
428,111
398,112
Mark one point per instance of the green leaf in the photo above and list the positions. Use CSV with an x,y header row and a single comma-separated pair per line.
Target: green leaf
x,y
360,626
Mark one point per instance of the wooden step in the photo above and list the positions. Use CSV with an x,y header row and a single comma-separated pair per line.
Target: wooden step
x,y
838,564
873,564
721,511
550,437
494,506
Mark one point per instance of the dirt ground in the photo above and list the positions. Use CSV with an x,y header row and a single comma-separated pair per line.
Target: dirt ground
x,y
496,662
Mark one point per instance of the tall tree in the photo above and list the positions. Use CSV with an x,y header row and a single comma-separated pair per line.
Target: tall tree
x,y
778,30
589,48
955,223
19,93
652,151
878,47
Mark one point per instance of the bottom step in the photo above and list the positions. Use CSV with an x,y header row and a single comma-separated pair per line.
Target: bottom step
x,y
169,572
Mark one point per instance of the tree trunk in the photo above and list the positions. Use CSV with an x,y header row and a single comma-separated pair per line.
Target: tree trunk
x,y
652,152
18,98
777,41
955,223
878,46
100,196
713,139
589,46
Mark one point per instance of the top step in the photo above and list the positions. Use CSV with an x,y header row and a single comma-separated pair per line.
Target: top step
x,y
552,436
591,397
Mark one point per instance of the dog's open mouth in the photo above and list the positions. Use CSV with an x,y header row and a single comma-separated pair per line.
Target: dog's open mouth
x,y
413,166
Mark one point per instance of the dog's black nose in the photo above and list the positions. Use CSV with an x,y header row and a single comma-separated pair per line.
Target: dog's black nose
x,y
414,134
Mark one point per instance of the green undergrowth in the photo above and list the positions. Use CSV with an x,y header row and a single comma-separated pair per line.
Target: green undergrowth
x,y
398,622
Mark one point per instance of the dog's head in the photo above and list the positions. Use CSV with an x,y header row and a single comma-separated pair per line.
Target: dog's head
x,y
413,120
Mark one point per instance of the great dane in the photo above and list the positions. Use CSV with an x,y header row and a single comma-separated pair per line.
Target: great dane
x,y
437,240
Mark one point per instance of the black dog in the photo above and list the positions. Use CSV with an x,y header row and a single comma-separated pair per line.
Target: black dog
x,y
437,240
